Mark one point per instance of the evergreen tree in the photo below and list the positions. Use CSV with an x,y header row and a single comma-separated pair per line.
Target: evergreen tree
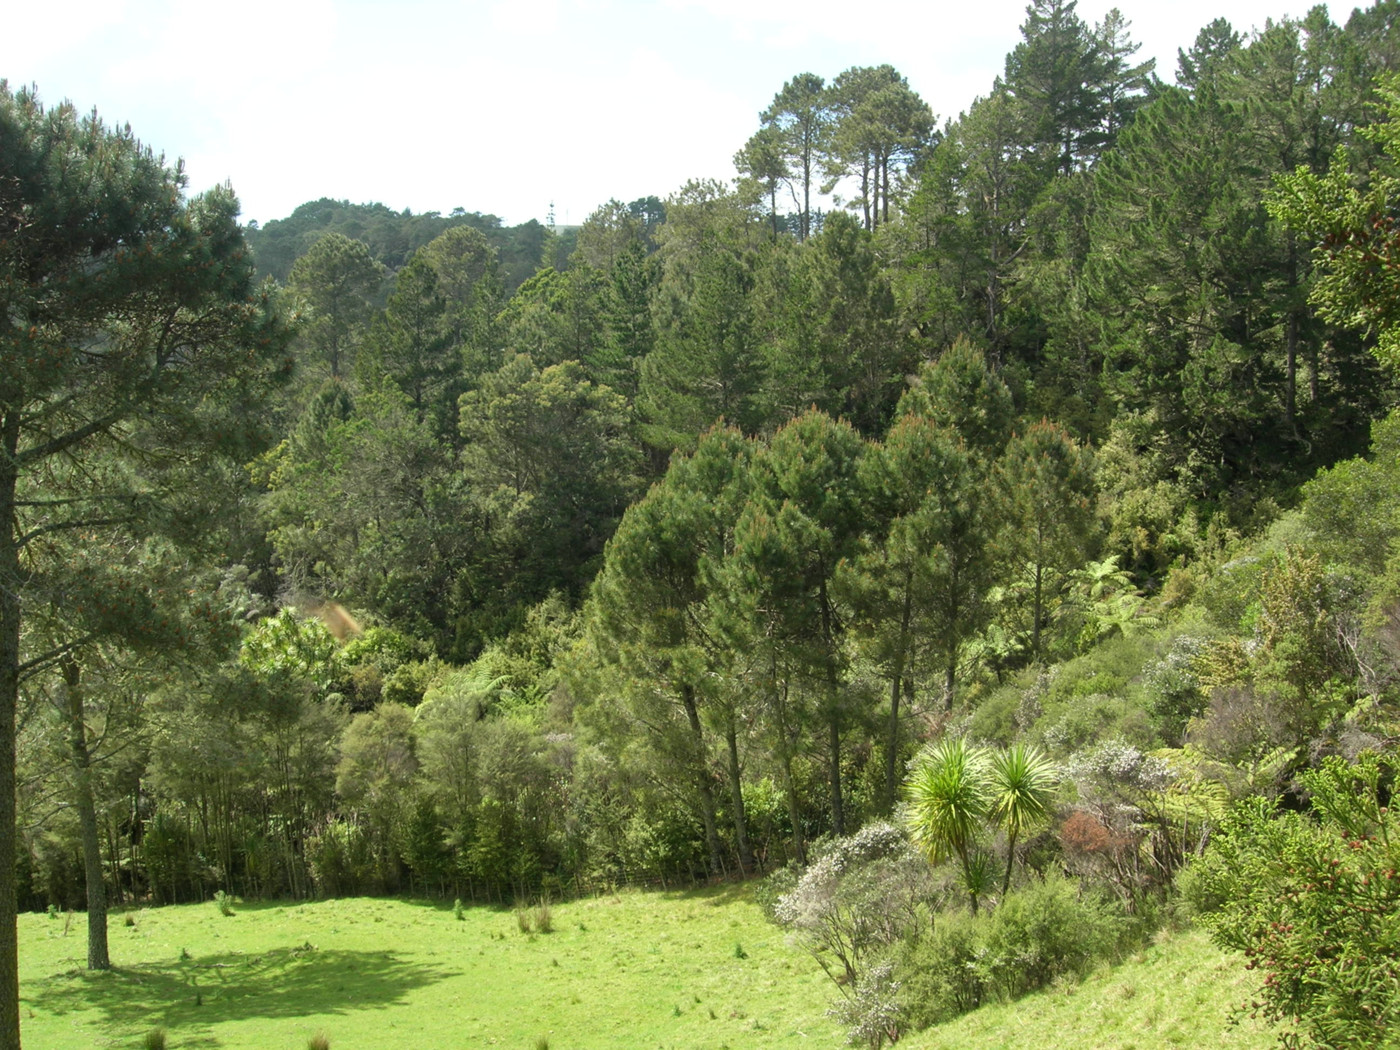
x,y
135,336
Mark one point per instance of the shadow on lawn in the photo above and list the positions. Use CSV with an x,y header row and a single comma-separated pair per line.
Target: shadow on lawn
x,y
718,895
204,991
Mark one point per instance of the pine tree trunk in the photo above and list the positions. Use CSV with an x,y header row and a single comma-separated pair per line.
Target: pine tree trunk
x,y
901,662
736,797
81,758
702,779
9,705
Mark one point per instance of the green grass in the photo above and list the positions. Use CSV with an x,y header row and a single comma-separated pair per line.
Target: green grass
x,y
639,970
699,969
1177,993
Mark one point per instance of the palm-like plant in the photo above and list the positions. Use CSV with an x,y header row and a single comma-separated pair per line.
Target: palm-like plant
x,y
1022,794
948,796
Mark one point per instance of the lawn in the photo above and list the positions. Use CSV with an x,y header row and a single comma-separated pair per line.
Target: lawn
x,y
698,969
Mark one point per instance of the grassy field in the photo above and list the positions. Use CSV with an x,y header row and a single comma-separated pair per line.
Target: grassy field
x,y
638,970
698,969
1177,992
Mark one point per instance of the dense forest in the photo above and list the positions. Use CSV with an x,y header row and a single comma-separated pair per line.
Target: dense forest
x,y
1020,491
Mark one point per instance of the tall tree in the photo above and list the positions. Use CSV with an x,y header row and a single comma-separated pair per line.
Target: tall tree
x,y
704,366
763,168
338,279
654,610
879,127
801,114
133,329
1051,73
1047,488
1356,233
1122,86
804,518
1201,65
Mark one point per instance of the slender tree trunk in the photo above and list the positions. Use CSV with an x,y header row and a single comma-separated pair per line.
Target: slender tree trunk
x,y
81,758
9,707
799,846
1010,860
736,795
702,778
1037,609
838,808
865,193
896,685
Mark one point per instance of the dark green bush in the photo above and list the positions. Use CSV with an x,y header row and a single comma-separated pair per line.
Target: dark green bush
x,y
1311,900
1036,935
1045,931
941,975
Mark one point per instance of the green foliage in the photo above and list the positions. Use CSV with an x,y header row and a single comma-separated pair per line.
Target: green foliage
x,y
1310,899
1036,935
1048,525
955,790
1355,230
336,280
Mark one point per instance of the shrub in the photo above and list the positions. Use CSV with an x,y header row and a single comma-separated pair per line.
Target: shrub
x,y
941,975
771,889
1311,899
319,1041
1045,931
459,912
1036,935
155,1039
871,1012
544,919
864,893
224,902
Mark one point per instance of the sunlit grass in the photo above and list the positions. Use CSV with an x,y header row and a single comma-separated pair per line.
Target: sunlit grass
x,y
686,970
1176,993
637,969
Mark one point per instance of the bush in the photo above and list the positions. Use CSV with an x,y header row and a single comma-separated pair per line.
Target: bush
x,y
862,895
1036,935
1311,900
1047,931
941,975
340,856
770,889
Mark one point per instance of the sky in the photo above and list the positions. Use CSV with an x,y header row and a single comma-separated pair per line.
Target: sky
x,y
507,108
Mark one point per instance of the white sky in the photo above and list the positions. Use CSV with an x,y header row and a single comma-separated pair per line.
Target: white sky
x,y
504,107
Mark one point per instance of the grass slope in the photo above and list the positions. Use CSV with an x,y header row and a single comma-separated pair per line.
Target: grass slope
x,y
1178,992
698,969
641,970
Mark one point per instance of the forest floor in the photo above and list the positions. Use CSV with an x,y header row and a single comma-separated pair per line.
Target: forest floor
x,y
695,969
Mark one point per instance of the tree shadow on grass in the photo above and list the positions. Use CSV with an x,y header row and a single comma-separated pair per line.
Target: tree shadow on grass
x,y
716,896
191,996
